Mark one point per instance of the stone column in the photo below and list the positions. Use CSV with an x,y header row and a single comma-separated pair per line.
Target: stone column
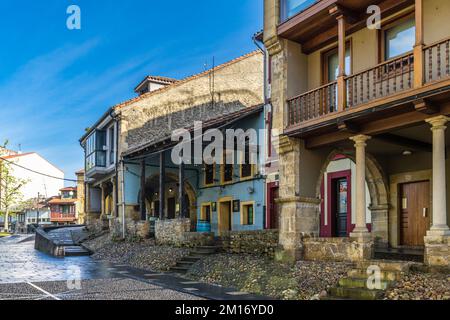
x,y
102,188
437,240
289,162
438,126
360,145
115,212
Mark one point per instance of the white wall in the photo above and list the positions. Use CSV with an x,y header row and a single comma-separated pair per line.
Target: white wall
x,y
37,183
341,165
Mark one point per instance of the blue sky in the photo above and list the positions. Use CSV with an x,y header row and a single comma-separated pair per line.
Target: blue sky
x,y
55,82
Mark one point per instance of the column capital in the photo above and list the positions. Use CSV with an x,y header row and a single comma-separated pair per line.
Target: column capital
x,y
438,123
360,140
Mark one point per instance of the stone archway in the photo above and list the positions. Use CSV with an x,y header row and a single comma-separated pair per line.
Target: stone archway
x,y
152,183
378,190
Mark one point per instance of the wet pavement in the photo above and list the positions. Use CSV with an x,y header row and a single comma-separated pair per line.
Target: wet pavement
x,y
20,262
27,274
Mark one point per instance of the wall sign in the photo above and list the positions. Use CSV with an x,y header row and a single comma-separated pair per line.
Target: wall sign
x,y
236,205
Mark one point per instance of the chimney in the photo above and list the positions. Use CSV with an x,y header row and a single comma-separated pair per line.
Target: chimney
x,y
152,83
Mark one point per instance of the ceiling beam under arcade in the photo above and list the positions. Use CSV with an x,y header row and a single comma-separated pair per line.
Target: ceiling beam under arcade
x,y
405,142
376,127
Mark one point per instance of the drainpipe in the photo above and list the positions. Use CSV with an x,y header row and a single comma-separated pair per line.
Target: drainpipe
x,y
264,52
123,197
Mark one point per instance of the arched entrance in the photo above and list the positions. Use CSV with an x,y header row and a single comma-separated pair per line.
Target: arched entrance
x,y
171,197
334,188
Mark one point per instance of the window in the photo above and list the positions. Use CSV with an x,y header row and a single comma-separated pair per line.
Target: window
x,y
209,174
94,150
290,8
246,166
226,170
205,214
331,64
111,145
247,213
399,39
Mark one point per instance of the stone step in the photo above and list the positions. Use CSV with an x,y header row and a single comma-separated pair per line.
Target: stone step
x,y
205,249
71,251
183,263
385,265
399,255
193,258
351,282
179,269
355,293
385,275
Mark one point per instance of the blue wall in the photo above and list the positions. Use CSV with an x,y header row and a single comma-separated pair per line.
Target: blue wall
x,y
248,190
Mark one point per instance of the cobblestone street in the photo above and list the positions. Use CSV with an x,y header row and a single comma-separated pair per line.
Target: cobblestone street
x,y
27,274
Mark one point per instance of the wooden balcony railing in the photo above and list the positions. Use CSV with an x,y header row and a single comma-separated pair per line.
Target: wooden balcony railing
x,y
437,61
381,81
394,76
56,216
313,104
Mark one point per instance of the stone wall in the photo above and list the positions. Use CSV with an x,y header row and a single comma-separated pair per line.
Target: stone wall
x,y
261,242
134,229
176,232
153,116
437,251
336,249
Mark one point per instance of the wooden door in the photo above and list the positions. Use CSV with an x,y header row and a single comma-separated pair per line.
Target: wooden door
x,y
272,206
341,205
414,212
224,216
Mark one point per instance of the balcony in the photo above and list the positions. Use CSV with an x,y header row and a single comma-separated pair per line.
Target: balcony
x,y
395,85
62,217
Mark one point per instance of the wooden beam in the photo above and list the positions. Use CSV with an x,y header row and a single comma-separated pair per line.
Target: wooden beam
x,y
419,68
339,10
371,128
143,195
405,142
348,127
162,185
329,36
181,190
425,106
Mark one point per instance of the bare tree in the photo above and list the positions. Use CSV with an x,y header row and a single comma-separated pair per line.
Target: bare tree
x,y
10,193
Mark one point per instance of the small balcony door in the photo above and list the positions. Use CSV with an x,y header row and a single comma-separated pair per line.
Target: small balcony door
x,y
331,64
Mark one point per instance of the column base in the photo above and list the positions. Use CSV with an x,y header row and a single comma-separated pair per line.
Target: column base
x,y
437,250
439,231
288,256
361,234
363,250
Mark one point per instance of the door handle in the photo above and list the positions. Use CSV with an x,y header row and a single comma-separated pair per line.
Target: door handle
x,y
424,212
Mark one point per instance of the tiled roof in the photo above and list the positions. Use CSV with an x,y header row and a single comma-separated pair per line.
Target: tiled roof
x,y
18,155
159,79
222,120
62,201
190,78
68,189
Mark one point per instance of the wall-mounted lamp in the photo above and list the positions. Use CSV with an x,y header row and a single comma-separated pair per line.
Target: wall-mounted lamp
x,y
407,153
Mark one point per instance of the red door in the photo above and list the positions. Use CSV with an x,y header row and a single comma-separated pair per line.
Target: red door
x,y
272,217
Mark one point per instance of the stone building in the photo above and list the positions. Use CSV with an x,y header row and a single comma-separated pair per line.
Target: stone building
x,y
81,204
362,111
162,106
